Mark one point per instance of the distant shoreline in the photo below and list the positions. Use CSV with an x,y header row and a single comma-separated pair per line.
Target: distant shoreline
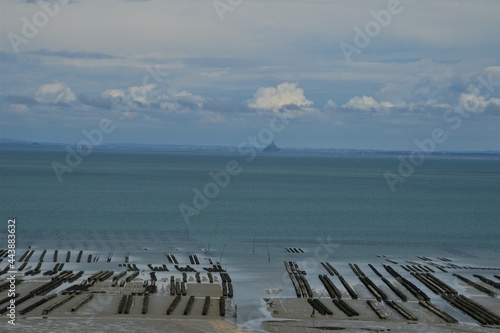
x,y
156,148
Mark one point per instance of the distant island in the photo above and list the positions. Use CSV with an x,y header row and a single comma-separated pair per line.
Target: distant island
x,y
271,148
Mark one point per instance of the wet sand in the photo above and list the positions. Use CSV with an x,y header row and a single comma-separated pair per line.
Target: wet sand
x,y
284,314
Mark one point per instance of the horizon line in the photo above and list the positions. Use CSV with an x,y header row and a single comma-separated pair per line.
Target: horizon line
x,y
4,142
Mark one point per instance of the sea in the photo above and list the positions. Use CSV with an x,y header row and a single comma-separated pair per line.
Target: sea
x,y
336,207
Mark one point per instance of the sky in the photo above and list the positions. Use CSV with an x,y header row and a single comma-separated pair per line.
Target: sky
x,y
336,73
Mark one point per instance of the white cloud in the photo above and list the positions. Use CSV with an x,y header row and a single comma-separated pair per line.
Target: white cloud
x,y
286,99
55,93
364,103
18,109
368,103
495,101
270,98
113,93
145,94
181,102
188,97
330,105
156,97
211,117
472,101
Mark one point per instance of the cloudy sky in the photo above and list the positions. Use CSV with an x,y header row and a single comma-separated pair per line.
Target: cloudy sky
x,y
345,73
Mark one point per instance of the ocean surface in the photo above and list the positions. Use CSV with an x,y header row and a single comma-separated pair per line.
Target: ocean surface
x,y
336,208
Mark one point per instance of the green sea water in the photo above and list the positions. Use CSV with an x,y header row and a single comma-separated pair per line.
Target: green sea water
x,y
277,198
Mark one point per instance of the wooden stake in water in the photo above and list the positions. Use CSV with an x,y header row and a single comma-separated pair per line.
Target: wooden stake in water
x,y
220,260
268,254
209,240
187,226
